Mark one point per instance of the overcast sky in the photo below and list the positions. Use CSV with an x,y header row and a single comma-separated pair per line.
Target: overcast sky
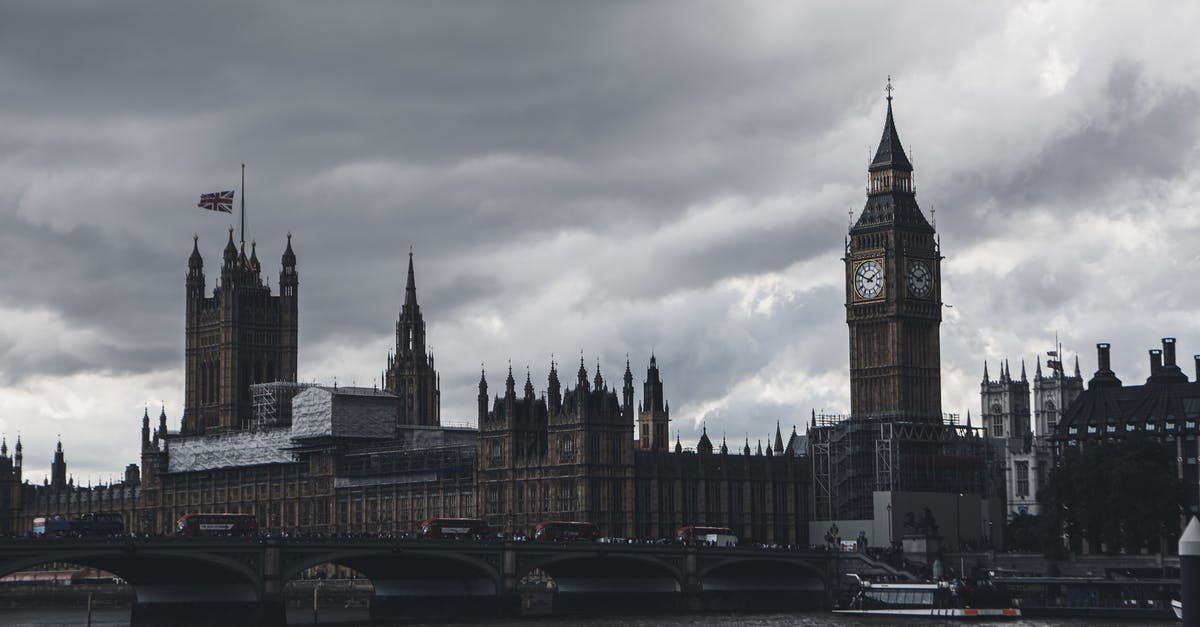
x,y
605,178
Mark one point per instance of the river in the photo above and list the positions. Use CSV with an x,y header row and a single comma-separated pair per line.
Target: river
x,y
120,618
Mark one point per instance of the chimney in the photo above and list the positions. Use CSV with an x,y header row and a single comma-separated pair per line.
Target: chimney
x,y
1197,358
1169,372
1104,376
1156,361
1168,351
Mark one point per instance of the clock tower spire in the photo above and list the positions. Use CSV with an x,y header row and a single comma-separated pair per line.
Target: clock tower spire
x,y
893,294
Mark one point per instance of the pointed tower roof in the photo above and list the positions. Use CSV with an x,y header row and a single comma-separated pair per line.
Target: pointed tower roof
x,y
890,154
891,197
1037,374
231,250
528,384
1078,375
254,255
195,261
1023,378
289,257
985,372
746,449
410,289
678,443
704,446
724,448
778,438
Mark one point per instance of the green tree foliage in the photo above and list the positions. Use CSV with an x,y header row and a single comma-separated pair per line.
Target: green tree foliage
x,y
1120,495
1023,533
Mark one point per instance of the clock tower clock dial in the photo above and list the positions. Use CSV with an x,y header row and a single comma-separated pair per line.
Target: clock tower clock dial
x,y
893,295
868,279
919,280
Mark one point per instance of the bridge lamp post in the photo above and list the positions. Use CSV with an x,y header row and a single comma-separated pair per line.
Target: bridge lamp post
x,y
889,522
958,521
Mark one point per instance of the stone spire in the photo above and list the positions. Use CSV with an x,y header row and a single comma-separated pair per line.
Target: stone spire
x,y
704,446
890,154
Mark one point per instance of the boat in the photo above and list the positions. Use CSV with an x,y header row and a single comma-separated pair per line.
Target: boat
x,y
942,599
1177,606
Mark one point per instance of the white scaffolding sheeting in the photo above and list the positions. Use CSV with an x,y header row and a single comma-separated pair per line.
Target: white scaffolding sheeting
x,y
243,448
343,412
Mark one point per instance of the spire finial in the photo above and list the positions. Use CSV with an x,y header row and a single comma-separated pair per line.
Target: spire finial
x,y
889,89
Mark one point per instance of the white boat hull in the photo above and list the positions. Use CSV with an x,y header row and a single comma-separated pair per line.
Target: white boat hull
x,y
968,612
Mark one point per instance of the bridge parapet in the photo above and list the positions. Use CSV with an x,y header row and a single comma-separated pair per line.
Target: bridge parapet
x,y
173,576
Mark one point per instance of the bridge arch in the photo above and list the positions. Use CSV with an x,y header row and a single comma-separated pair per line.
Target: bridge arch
x,y
761,574
604,572
392,563
140,566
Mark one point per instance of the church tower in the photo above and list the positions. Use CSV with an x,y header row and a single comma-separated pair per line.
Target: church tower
x,y
58,468
410,374
893,294
655,415
239,336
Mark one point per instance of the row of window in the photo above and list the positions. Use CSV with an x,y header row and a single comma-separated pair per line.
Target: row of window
x,y
1169,426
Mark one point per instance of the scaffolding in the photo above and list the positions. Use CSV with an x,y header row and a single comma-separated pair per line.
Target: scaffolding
x,y
854,457
272,403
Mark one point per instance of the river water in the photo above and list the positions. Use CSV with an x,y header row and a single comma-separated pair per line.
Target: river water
x,y
120,618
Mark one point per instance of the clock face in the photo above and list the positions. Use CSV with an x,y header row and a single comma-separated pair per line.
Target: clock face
x,y
868,279
920,279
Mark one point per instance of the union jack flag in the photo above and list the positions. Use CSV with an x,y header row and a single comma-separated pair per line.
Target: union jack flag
x,y
217,201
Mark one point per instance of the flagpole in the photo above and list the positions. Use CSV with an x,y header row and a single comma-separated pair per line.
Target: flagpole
x,y
243,206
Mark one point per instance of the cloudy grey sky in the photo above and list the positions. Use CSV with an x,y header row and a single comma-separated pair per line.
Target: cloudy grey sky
x,y
611,178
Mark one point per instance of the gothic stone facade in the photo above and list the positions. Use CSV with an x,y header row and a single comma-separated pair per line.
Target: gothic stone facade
x,y
570,454
1021,437
376,461
239,336
895,438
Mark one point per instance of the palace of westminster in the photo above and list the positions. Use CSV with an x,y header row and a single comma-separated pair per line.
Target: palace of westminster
x,y
317,459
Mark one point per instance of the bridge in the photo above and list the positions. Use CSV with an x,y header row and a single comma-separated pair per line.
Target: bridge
x,y
240,581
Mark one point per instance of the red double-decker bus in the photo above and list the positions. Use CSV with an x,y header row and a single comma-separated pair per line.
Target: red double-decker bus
x,y
199,525
455,528
562,531
711,536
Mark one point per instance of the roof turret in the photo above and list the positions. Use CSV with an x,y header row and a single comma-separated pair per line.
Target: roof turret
x,y
231,251
289,257
195,261
704,446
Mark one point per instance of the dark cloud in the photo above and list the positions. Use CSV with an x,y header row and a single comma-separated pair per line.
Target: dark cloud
x,y
608,178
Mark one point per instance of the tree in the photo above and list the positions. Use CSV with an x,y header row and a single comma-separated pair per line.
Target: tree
x,y
1122,495
1024,533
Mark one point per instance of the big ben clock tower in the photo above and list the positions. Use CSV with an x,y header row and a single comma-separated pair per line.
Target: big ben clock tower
x,y
893,295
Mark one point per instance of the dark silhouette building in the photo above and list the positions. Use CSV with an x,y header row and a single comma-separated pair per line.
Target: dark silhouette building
x,y
410,374
570,454
1166,407
896,452
239,336
893,295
